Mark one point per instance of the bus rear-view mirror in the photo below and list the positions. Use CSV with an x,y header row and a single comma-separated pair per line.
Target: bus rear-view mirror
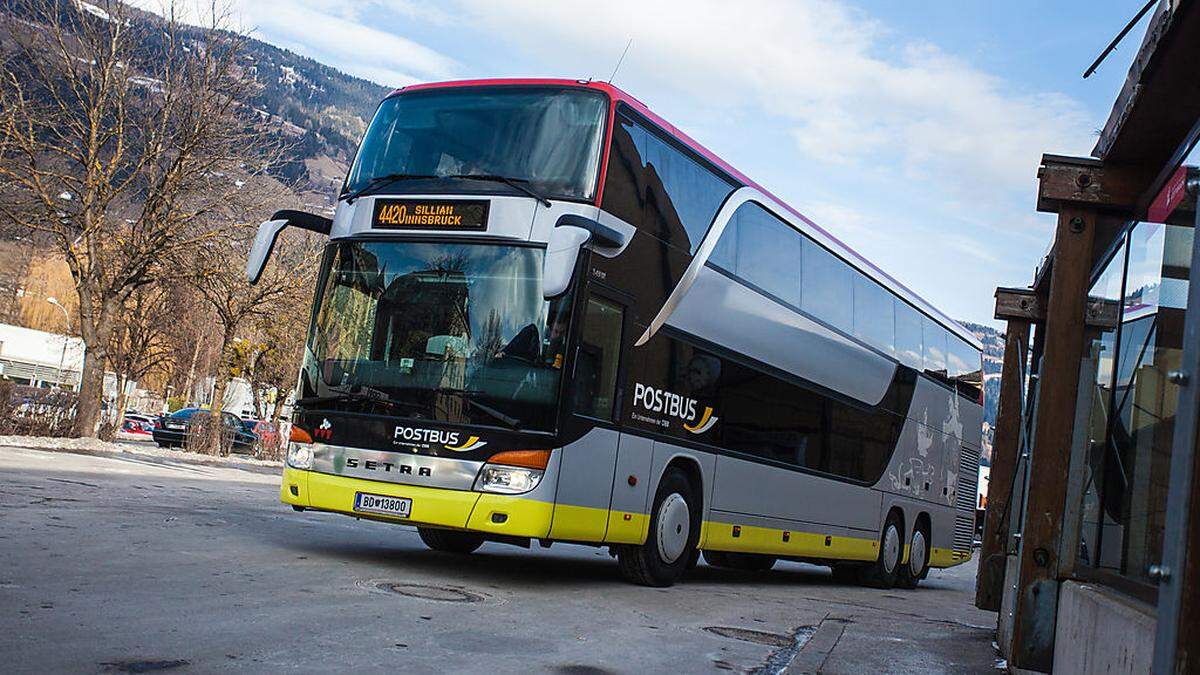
x,y
268,233
569,235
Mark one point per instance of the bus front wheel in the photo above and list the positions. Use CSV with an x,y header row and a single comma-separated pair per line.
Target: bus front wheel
x,y
671,542
450,541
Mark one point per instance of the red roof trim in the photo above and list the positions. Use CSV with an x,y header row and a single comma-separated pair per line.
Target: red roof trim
x,y
619,95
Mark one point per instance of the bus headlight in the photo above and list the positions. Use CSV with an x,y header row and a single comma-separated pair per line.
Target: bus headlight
x,y
300,456
508,479
513,472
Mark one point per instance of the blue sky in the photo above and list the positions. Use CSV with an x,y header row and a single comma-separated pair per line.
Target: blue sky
x,y
911,130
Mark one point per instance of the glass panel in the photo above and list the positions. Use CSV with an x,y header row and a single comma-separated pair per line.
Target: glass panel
x,y
966,367
549,137
724,255
623,196
1135,469
934,338
599,356
450,332
874,314
767,252
682,196
1099,355
828,293
909,341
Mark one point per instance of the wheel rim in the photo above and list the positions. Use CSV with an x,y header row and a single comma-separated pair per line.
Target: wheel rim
x,y
916,556
674,527
891,548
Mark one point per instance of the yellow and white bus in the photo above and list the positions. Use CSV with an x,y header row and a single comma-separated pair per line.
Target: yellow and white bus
x,y
545,314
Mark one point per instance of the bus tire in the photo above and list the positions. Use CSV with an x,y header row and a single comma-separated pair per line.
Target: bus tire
x,y
671,540
450,541
745,562
917,567
882,573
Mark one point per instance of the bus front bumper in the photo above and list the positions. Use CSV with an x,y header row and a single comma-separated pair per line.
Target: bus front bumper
x,y
498,514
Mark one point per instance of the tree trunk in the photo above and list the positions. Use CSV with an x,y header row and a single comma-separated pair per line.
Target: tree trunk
x,y
95,328
216,428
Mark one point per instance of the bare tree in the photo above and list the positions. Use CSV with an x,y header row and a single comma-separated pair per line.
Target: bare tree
x,y
139,343
221,281
123,141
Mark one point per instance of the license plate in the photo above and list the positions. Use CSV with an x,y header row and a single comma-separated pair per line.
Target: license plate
x,y
389,506
174,426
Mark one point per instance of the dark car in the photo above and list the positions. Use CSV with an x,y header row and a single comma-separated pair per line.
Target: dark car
x,y
172,430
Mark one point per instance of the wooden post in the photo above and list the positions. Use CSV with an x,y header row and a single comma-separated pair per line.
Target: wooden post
x,y
1037,583
989,582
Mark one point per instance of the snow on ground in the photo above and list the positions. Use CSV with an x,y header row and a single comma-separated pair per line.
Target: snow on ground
x,y
95,446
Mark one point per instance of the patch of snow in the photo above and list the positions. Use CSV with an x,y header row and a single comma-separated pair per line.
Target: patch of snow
x,y
92,9
89,446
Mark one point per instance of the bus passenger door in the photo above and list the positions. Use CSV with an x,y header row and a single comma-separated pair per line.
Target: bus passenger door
x,y
585,481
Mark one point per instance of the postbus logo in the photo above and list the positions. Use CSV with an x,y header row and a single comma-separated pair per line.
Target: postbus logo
x,y
671,406
417,438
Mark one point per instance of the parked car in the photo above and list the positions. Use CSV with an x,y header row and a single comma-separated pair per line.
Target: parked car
x,y
136,426
268,435
172,430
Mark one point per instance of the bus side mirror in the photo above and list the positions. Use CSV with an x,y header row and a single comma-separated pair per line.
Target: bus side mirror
x,y
569,235
268,233
562,251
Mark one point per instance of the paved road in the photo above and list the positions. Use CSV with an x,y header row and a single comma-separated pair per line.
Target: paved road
x,y
127,563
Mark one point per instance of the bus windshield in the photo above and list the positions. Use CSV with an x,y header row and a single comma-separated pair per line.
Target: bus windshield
x,y
549,138
457,333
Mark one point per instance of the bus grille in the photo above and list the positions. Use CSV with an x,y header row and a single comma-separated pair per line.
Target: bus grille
x,y
967,496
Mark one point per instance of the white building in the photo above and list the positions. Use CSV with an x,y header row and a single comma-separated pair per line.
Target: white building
x,y
40,359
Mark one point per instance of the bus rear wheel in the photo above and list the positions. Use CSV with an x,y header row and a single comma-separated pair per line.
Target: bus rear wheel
x,y
882,573
746,562
450,541
671,542
917,567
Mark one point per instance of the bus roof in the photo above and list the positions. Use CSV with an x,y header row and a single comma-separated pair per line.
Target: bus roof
x,y
619,95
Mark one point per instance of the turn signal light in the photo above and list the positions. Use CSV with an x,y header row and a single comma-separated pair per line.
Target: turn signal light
x,y
299,435
530,459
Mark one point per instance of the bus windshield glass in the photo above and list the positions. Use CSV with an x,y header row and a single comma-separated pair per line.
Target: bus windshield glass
x,y
544,137
457,333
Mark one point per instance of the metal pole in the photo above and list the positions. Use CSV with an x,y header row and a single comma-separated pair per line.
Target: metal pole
x,y
1170,573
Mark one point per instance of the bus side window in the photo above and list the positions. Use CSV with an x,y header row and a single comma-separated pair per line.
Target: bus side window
x,y
597,359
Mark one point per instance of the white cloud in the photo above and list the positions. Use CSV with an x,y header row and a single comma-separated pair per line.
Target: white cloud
x,y
341,33
853,92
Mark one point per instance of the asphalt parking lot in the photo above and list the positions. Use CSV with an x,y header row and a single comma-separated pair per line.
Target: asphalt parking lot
x,y
130,564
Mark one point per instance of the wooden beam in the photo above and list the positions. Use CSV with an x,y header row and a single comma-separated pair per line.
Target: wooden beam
x,y
1083,182
1019,304
1156,112
989,581
1045,494
1025,304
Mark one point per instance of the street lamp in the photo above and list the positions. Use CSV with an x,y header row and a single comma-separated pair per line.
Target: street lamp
x,y
67,336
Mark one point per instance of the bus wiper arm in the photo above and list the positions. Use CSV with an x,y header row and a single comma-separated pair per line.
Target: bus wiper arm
x,y
380,181
518,183
356,396
468,396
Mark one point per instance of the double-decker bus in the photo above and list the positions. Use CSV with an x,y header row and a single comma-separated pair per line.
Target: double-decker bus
x,y
546,314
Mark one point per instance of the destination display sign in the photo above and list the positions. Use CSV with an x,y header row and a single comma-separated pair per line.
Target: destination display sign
x,y
430,214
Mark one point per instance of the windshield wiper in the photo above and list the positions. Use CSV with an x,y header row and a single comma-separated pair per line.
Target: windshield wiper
x,y
380,181
468,396
518,183
360,397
